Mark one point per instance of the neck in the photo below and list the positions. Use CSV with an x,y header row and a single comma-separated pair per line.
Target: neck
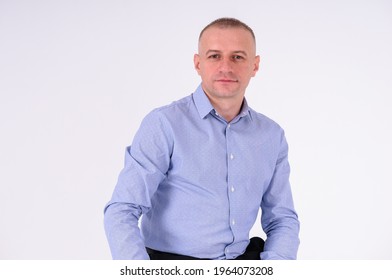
x,y
226,108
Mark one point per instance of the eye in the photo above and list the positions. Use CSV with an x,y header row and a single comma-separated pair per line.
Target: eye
x,y
214,56
238,57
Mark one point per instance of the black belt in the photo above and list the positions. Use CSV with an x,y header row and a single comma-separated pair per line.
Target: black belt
x,y
252,252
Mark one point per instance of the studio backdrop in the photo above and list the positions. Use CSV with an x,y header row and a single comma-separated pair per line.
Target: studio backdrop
x,y
77,78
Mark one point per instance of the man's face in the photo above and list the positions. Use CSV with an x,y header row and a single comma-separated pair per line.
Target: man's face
x,y
226,62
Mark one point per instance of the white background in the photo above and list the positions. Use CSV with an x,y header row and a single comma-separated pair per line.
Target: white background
x,y
77,77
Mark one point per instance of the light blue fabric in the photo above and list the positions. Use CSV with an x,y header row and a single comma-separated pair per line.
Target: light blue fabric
x,y
198,183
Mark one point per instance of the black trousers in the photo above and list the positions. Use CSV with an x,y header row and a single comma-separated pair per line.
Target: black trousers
x,y
252,252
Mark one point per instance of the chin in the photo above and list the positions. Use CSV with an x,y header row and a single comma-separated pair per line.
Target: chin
x,y
227,92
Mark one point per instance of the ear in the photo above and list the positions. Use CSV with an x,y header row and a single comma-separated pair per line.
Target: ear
x,y
256,65
196,62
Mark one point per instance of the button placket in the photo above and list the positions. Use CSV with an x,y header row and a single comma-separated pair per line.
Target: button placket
x,y
230,186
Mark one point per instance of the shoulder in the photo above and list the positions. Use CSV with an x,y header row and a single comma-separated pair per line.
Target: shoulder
x,y
180,104
176,107
264,122
163,116
270,131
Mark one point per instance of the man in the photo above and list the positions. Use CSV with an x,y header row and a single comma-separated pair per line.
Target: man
x,y
199,170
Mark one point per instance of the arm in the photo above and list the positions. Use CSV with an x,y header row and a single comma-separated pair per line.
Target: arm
x,y
122,231
146,163
279,219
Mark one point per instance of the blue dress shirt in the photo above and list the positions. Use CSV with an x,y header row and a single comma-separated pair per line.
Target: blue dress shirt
x,y
198,182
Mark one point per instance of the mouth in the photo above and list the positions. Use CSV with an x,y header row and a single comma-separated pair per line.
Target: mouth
x,y
226,80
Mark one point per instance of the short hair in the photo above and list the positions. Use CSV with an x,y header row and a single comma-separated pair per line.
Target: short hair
x,y
227,22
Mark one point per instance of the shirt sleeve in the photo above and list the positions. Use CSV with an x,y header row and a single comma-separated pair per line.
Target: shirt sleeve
x,y
146,163
279,219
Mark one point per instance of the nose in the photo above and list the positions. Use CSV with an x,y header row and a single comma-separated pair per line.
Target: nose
x,y
225,65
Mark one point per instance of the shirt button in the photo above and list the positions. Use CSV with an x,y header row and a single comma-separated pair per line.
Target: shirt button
x,y
228,126
233,222
231,156
232,189
227,250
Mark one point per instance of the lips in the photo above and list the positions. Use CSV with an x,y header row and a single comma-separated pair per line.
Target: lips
x,y
225,80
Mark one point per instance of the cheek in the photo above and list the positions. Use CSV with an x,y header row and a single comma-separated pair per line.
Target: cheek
x,y
249,71
208,71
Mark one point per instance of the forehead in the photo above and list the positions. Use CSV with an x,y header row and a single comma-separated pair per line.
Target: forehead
x,y
227,38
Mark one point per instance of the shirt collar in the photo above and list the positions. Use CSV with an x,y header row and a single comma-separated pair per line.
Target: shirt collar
x,y
204,106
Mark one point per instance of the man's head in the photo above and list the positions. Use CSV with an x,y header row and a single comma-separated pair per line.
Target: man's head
x,y
228,23
226,59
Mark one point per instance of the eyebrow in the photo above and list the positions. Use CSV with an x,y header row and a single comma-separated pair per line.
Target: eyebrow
x,y
218,51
